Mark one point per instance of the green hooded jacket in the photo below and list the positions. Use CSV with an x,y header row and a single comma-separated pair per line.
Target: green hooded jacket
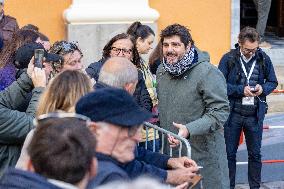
x,y
198,99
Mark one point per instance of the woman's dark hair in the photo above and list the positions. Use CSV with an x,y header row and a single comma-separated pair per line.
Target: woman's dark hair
x,y
19,38
30,27
107,47
179,30
156,58
248,33
139,30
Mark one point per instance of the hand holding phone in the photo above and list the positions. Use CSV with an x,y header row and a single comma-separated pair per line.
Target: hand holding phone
x,y
253,89
38,58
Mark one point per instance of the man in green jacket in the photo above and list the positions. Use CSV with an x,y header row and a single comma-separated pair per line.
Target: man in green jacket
x,y
193,103
15,125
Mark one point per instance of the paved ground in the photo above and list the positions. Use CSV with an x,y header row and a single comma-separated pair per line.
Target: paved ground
x,y
270,185
273,148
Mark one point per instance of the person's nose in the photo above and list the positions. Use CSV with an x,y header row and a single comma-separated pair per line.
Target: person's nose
x,y
170,48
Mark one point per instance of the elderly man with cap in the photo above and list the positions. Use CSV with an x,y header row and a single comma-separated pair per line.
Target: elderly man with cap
x,y
116,121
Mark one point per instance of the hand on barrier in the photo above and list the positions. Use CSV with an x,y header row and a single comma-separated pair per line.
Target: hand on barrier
x,y
183,132
182,162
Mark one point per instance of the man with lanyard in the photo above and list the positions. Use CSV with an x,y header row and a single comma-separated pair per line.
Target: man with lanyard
x,y
250,78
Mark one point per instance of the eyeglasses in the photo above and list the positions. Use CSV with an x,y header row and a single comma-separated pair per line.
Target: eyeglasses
x,y
133,130
247,51
56,115
123,50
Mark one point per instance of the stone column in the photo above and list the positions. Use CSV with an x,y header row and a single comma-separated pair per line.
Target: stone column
x,y
92,23
235,22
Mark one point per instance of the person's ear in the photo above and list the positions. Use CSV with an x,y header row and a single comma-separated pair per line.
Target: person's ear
x,y
130,87
93,127
29,166
139,40
188,46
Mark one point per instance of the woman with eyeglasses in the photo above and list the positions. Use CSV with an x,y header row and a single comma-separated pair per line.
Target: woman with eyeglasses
x,y
144,38
71,54
123,45
61,95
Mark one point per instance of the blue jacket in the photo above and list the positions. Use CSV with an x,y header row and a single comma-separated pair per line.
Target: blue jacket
x,y
109,170
148,163
230,66
19,179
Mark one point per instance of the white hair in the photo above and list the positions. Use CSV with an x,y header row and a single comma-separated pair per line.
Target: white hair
x,y
123,74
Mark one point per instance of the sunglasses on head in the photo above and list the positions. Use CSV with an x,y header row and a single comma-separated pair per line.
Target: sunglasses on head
x,y
60,115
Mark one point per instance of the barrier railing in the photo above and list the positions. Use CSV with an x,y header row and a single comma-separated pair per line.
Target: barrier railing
x,y
165,132
278,91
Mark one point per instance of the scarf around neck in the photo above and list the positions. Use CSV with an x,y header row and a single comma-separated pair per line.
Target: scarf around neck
x,y
179,68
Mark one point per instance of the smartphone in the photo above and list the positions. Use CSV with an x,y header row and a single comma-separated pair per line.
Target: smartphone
x,y
253,90
38,57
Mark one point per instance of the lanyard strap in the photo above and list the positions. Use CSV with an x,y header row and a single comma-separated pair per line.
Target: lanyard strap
x,y
245,71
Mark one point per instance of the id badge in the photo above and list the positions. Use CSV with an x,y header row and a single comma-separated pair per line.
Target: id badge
x,y
248,101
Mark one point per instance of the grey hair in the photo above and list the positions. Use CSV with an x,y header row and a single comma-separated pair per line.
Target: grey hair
x,y
120,77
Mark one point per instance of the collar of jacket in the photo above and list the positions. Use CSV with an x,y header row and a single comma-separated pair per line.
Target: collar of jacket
x,y
104,157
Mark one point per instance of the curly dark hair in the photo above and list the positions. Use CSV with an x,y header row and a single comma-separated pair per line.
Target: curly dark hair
x,y
248,33
107,48
179,30
64,47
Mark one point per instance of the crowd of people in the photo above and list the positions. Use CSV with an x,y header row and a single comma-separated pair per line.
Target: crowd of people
x,y
63,126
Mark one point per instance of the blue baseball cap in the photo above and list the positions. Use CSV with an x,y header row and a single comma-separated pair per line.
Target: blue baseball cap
x,y
111,105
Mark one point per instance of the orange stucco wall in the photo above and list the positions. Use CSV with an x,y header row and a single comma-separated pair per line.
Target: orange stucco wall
x,y
46,14
208,20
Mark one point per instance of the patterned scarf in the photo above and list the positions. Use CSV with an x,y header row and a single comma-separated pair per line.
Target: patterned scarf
x,y
182,65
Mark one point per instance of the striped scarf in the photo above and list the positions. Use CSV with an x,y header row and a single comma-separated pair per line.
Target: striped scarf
x,y
179,68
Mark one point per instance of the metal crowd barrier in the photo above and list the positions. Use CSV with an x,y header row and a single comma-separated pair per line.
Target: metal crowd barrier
x,y
165,132
278,91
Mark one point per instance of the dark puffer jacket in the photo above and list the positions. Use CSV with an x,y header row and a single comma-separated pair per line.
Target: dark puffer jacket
x,y
231,68
141,94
